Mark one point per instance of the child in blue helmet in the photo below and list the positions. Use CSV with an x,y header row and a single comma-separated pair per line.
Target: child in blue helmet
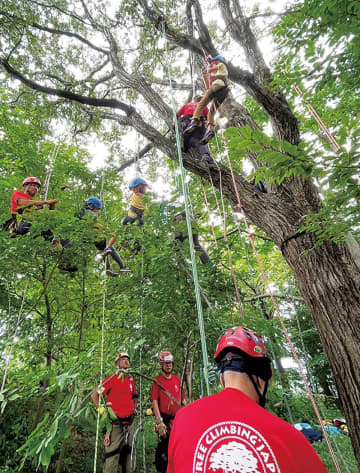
x,y
138,186
216,81
92,210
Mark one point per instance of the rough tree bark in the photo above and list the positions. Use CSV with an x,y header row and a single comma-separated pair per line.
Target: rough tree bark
x,y
327,275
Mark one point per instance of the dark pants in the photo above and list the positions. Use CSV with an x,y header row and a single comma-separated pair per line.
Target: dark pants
x,y
131,220
161,454
204,257
192,140
101,245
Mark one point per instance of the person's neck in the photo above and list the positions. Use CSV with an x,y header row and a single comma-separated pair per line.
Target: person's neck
x,y
242,383
167,375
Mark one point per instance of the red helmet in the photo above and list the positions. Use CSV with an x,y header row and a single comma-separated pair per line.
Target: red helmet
x,y
165,357
31,180
122,355
242,339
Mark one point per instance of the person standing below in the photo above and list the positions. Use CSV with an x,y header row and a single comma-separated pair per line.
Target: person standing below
x,y
231,430
165,407
121,397
23,202
216,81
192,140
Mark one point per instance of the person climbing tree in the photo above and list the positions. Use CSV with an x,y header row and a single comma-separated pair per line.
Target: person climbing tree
x,y
164,407
216,81
138,186
121,397
23,202
181,233
192,140
92,211
222,424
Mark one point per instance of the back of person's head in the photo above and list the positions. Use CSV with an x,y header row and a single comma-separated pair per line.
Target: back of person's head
x,y
197,98
241,350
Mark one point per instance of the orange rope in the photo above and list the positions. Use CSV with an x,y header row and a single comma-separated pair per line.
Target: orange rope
x,y
233,275
240,208
322,125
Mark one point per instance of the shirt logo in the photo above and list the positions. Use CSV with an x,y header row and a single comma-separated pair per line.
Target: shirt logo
x,y
233,447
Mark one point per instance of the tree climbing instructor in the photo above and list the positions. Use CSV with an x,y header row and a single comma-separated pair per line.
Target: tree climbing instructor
x,y
121,397
231,430
165,408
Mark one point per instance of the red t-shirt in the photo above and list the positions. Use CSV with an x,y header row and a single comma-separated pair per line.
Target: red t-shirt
x,y
173,385
230,432
15,196
120,394
189,109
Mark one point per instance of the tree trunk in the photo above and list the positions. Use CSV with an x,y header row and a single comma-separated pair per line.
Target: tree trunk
x,y
329,281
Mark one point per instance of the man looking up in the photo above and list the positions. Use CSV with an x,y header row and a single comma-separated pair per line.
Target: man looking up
x,y
231,431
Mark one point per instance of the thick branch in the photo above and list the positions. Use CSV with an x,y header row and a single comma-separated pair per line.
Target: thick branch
x,y
95,102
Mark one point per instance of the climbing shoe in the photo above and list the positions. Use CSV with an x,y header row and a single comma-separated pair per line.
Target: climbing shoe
x,y
209,135
192,125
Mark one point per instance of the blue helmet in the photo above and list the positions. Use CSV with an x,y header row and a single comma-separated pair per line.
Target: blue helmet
x,y
137,181
95,202
219,58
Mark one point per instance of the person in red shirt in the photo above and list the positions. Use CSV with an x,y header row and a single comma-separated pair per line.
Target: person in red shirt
x,y
121,397
192,141
167,397
24,202
231,431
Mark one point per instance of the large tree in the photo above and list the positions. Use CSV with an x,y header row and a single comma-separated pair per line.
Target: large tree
x,y
103,63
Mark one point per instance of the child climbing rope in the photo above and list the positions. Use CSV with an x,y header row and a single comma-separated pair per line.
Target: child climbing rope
x,y
137,205
181,234
216,81
193,140
92,212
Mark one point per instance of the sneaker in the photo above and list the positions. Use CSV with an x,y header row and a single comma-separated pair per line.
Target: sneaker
x,y
111,273
209,135
192,125
56,244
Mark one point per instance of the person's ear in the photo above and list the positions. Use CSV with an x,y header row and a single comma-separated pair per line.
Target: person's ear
x,y
222,380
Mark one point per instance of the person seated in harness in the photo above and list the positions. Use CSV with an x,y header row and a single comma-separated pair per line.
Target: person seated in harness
x,y
121,396
181,233
216,81
138,186
92,211
22,203
192,141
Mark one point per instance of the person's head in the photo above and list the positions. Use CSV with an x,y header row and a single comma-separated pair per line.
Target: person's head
x,y
240,350
197,98
122,360
31,185
138,185
166,362
217,59
180,217
94,204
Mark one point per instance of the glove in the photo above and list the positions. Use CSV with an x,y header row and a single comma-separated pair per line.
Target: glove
x,y
160,427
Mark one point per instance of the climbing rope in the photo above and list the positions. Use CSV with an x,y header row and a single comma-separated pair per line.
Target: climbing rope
x,y
322,125
104,283
276,307
52,158
188,221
